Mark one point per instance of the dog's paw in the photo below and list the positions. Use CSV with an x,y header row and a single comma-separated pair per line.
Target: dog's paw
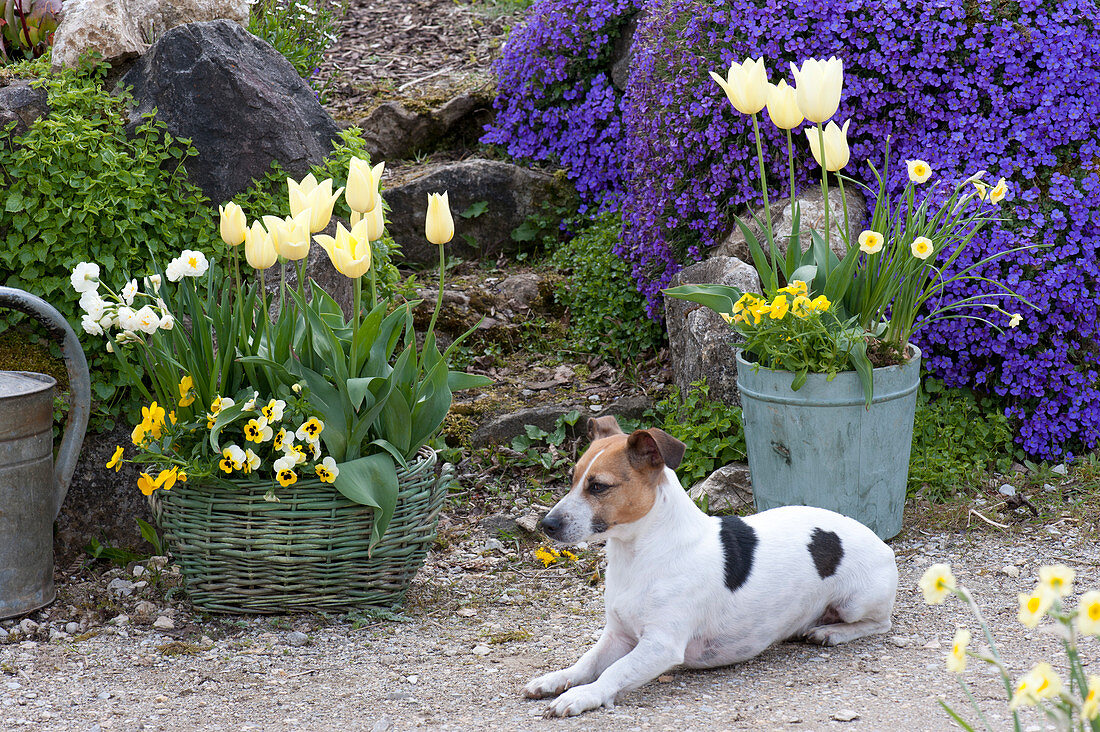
x,y
550,684
825,635
578,700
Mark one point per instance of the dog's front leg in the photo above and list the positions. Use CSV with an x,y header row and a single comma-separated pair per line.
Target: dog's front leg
x,y
654,654
611,646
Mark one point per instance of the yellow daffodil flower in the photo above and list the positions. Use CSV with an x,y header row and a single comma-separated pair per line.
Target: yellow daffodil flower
x,y
998,192
937,583
922,247
1090,708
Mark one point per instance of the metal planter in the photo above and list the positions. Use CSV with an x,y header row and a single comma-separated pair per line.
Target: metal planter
x,y
821,446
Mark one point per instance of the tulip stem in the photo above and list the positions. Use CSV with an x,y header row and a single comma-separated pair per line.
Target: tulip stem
x,y
825,194
357,292
282,285
764,190
796,238
373,277
439,298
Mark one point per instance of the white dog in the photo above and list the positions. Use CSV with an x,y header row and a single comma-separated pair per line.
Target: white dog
x,y
701,591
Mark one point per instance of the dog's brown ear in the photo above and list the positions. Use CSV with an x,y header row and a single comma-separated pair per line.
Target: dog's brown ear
x,y
654,448
600,427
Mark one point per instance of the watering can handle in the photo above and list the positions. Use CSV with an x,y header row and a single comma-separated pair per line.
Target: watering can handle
x,y
80,387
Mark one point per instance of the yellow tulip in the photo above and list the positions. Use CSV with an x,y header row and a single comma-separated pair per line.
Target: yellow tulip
x,y
836,146
293,240
783,106
363,182
299,193
232,224
321,201
818,85
376,224
259,250
349,251
746,85
439,227
277,230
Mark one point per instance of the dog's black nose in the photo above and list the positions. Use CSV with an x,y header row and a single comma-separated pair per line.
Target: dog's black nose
x,y
550,524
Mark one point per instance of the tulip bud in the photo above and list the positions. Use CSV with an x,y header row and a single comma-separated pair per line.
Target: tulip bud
x,y
259,251
376,225
836,146
233,224
783,106
745,85
293,242
439,227
361,194
818,85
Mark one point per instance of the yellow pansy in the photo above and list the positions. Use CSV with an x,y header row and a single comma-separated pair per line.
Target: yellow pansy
x,y
116,460
187,391
779,307
286,477
937,583
820,303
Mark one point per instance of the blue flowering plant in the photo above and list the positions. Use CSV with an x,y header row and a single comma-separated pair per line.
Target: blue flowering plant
x,y
885,286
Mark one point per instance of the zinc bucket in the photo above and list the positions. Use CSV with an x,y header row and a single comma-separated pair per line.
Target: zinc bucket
x,y
821,446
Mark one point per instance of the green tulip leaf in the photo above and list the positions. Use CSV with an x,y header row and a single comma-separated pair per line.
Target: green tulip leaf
x,y
371,481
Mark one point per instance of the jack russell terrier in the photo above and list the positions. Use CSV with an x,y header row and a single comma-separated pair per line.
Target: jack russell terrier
x,y
684,588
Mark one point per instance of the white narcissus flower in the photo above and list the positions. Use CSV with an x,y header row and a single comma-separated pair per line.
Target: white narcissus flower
x,y
129,292
919,171
817,86
870,242
148,321
836,146
999,191
922,247
1015,320
956,659
937,583
153,282
746,85
192,263
92,304
127,318
1056,580
1088,613
783,106
91,325
167,322
85,277
1033,608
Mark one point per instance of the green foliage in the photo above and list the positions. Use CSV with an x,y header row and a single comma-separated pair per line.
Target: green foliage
x,y
268,196
541,449
301,30
711,430
607,314
957,437
27,28
77,187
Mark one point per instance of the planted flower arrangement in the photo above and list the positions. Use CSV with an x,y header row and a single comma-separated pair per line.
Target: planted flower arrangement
x,y
814,402
285,459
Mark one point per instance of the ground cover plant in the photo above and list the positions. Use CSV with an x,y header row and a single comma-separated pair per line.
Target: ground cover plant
x,y
301,30
983,88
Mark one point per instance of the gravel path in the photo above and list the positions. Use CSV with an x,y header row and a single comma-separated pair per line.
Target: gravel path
x,y
483,621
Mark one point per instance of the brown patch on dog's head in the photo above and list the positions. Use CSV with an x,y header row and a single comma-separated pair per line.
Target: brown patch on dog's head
x,y
618,475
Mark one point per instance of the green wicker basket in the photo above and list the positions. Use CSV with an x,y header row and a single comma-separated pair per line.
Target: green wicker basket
x,y
308,552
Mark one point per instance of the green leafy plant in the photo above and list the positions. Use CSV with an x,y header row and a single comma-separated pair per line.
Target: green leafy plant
x,y
606,313
538,448
301,30
957,435
711,430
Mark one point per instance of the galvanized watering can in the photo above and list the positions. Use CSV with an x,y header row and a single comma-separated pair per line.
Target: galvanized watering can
x,y
32,487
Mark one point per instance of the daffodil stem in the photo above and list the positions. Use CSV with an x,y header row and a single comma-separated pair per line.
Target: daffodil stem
x,y
764,191
965,596
974,702
439,298
825,195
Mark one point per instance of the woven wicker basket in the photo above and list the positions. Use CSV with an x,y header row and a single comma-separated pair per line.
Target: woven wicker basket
x,y
308,552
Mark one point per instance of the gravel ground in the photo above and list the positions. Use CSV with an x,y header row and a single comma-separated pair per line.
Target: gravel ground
x,y
483,618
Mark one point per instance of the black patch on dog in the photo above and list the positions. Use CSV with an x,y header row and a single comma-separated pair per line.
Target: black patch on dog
x,y
826,551
738,545
599,526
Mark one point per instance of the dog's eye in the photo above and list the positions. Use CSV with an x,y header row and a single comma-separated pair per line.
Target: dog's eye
x,y
597,488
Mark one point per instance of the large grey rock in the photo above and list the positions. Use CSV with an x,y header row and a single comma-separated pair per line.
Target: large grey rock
x,y
239,101
399,129
502,428
811,217
623,55
120,30
22,104
701,344
727,490
512,194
